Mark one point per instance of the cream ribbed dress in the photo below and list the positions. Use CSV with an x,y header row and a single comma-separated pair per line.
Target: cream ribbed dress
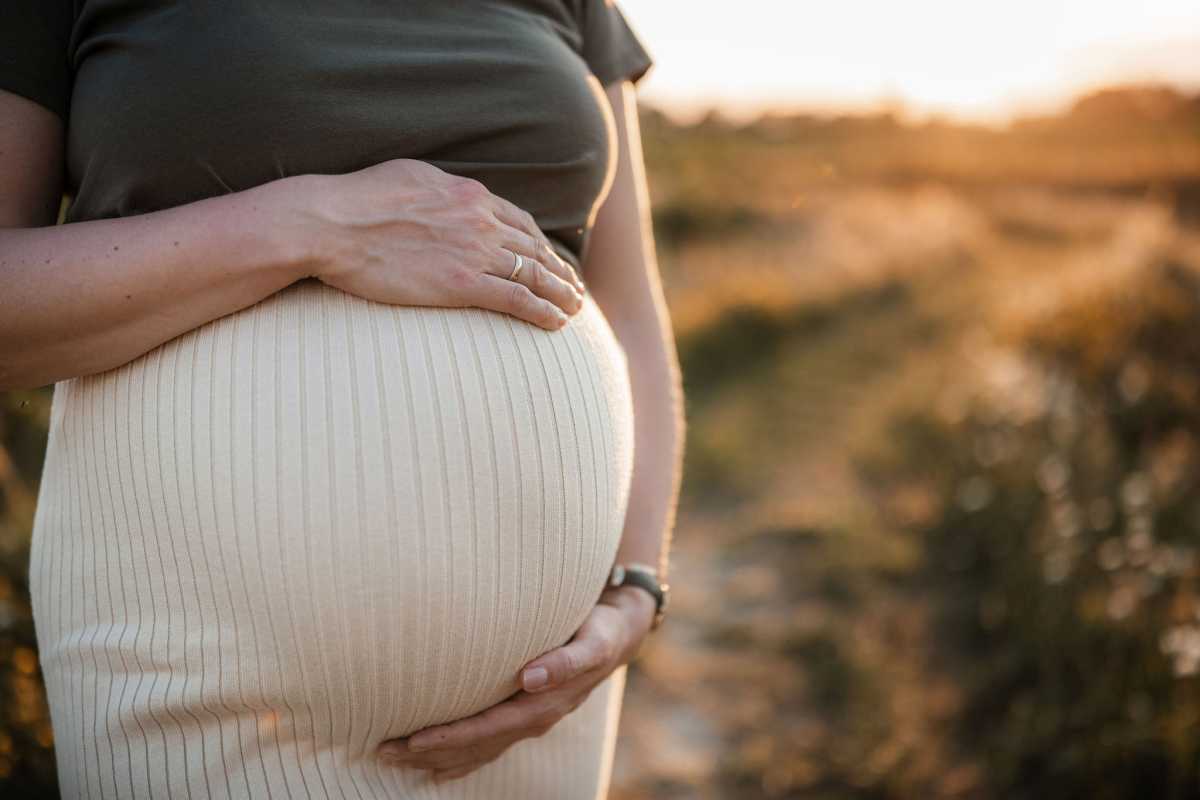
x,y
280,539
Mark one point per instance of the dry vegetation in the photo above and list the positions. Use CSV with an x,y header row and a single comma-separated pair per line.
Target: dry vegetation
x,y
936,538
856,301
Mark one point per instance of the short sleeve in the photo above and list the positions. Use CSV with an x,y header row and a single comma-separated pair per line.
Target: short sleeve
x,y
609,45
35,40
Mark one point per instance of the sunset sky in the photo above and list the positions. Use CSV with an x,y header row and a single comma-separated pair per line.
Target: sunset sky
x,y
982,61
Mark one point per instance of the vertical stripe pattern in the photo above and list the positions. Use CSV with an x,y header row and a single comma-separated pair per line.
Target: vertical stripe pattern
x,y
278,540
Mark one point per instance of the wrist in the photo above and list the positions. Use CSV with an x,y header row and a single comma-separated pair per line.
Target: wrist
x,y
637,603
298,240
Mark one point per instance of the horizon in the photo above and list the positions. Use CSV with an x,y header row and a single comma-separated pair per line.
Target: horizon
x,y
830,63
903,114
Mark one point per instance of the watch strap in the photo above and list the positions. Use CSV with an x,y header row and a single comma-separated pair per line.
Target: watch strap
x,y
644,577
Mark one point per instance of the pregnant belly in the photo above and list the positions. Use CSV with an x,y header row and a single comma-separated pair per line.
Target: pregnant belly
x,y
325,521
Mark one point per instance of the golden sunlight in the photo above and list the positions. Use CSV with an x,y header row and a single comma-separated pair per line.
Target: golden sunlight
x,y
969,61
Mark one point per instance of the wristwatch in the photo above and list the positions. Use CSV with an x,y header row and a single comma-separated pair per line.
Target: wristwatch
x,y
645,577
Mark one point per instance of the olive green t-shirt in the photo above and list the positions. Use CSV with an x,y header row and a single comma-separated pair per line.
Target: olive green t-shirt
x,y
168,101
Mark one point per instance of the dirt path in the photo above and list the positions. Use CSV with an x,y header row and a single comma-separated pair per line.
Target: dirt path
x,y
779,612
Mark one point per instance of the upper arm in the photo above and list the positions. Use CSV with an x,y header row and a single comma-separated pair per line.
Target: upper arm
x,y
31,162
620,268
619,264
628,197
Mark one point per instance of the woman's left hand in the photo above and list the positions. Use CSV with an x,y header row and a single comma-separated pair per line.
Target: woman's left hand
x,y
609,637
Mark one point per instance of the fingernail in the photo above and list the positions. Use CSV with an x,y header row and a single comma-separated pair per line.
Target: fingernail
x,y
419,745
535,678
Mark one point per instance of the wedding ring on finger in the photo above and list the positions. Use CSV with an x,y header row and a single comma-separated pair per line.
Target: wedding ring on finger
x,y
519,263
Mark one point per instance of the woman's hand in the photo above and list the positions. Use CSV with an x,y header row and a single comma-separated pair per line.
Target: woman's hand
x,y
609,637
408,233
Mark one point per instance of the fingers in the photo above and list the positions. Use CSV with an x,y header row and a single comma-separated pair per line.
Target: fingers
x,y
591,649
450,774
522,221
458,748
467,740
511,297
450,764
539,249
520,717
521,234
546,254
538,278
538,245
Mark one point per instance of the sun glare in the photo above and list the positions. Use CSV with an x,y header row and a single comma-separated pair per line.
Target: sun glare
x,y
976,61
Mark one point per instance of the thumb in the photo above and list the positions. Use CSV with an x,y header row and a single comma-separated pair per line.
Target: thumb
x,y
587,651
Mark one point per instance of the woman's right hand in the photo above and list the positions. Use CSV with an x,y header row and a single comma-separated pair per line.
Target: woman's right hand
x,y
408,233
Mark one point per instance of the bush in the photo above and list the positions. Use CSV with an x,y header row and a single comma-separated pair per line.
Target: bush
x,y
1059,548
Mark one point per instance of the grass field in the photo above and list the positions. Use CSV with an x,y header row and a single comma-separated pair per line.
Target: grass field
x,y
914,357
831,282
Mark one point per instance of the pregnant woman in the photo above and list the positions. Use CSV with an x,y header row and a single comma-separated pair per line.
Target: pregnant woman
x,y
350,491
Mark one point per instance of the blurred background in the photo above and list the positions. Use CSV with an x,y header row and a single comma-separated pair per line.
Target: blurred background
x,y
934,271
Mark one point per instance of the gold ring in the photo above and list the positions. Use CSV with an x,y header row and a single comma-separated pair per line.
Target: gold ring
x,y
520,262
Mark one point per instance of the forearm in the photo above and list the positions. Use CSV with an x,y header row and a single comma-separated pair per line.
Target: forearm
x,y
659,431
623,276
82,298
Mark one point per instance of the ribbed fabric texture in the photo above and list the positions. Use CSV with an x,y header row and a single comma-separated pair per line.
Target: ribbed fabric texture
x,y
276,541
